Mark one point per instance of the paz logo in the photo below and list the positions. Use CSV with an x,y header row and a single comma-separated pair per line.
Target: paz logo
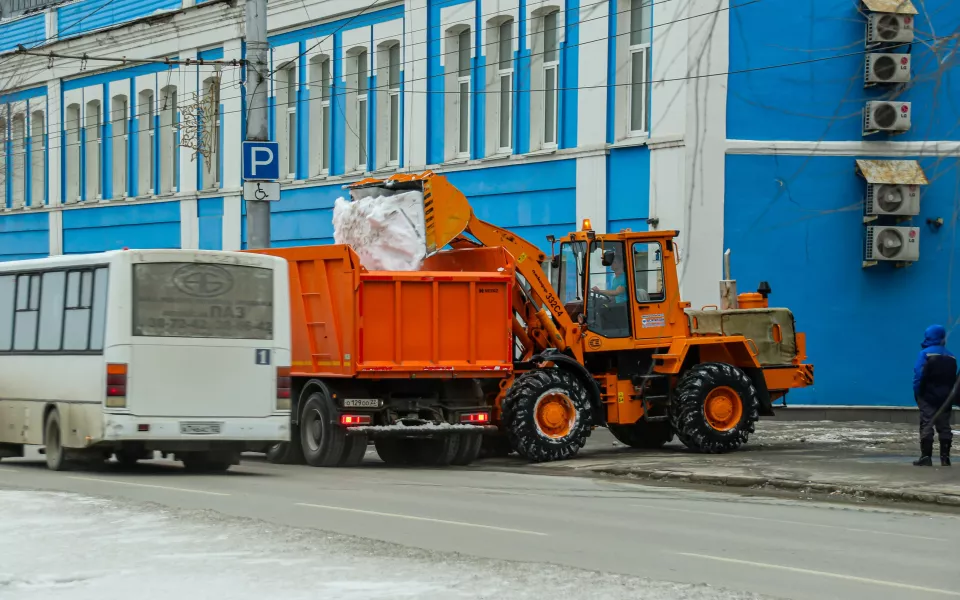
x,y
203,281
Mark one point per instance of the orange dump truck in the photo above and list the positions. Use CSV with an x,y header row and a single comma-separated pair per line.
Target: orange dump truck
x,y
412,360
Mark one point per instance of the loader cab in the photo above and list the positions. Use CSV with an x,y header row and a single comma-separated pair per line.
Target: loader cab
x,y
617,285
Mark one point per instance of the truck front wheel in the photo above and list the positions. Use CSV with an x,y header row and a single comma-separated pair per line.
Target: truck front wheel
x,y
321,437
547,415
714,408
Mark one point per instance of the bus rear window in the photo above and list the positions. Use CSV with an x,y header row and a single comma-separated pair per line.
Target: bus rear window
x,y
201,300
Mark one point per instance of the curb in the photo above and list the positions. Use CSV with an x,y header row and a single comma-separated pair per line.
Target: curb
x,y
748,481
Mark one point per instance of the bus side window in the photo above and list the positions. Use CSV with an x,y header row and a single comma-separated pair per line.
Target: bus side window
x,y
76,320
51,311
7,289
99,303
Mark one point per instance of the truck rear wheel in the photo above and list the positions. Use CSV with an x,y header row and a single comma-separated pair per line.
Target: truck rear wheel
x,y
355,450
547,415
715,407
469,449
287,453
322,439
437,452
643,434
396,451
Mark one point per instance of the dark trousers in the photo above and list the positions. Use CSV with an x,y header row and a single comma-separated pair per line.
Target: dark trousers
x,y
928,424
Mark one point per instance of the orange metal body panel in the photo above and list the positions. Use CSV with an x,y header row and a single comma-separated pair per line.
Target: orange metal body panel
x,y
452,318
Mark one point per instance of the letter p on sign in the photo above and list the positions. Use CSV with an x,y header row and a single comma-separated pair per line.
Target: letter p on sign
x,y
261,161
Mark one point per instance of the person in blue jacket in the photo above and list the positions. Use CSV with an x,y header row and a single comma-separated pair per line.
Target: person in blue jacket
x,y
934,374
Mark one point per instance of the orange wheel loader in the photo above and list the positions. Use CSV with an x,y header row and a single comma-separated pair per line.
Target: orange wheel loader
x,y
599,337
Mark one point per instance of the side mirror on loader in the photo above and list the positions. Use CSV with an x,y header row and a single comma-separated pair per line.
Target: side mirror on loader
x,y
608,256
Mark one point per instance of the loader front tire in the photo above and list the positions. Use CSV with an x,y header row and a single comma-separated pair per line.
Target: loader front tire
x,y
643,434
714,409
547,415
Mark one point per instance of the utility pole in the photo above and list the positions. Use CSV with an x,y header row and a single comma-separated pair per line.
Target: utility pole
x,y
258,212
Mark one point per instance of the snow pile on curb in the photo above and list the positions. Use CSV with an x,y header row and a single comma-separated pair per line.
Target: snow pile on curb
x,y
387,232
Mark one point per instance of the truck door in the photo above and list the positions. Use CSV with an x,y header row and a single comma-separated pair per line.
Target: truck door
x,y
649,297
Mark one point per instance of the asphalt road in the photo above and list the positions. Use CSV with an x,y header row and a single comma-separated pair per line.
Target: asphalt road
x,y
769,546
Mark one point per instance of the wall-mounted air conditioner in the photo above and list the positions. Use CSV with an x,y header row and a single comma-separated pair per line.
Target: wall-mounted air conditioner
x,y
883,115
899,244
889,28
886,68
895,200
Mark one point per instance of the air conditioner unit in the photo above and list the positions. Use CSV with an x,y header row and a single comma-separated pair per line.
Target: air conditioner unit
x,y
900,244
891,199
887,28
887,68
881,115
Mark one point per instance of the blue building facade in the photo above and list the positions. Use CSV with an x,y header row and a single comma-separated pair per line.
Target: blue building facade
x,y
739,124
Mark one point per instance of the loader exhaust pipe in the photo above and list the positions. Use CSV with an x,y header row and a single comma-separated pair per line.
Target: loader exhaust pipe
x,y
728,286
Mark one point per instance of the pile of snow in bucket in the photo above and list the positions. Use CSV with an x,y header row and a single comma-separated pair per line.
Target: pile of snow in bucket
x,y
386,232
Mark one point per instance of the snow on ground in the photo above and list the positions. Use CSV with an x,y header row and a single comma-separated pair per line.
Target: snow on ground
x,y
64,546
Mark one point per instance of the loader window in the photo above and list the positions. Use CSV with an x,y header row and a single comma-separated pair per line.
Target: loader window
x,y
648,272
568,280
608,309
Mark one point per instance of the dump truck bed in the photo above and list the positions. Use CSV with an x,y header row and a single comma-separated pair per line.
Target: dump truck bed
x,y
451,317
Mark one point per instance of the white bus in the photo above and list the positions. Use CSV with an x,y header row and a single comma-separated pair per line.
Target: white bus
x,y
124,353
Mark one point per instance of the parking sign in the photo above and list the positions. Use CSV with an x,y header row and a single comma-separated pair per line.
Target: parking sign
x,y
261,161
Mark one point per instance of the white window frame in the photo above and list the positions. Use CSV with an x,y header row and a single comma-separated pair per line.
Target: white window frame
x,y
505,91
548,66
464,80
641,48
169,160
286,117
394,65
120,140
3,158
362,66
93,123
146,143
38,158
321,76
72,124
212,176
19,150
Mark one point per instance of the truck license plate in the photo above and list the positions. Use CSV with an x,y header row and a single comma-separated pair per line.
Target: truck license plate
x,y
361,403
199,428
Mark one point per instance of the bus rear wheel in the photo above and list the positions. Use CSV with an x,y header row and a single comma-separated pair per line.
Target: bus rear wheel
x,y
54,452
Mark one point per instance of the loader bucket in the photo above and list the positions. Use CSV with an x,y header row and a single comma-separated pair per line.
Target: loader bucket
x,y
446,210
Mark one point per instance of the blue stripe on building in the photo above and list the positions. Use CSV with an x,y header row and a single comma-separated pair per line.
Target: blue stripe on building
x,y
114,227
24,236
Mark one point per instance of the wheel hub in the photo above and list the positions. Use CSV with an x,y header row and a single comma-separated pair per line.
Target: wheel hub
x,y
723,408
555,414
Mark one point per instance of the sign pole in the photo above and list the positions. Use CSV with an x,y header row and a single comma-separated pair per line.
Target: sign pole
x,y
257,82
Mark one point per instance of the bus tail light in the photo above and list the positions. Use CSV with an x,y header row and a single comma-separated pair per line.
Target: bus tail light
x,y
283,388
116,385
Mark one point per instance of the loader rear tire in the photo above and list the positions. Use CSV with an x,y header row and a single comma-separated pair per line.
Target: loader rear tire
x,y
469,449
643,434
714,409
547,415
321,437
397,451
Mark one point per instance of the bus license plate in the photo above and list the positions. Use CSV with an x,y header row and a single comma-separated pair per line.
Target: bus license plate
x,y
199,428
361,403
